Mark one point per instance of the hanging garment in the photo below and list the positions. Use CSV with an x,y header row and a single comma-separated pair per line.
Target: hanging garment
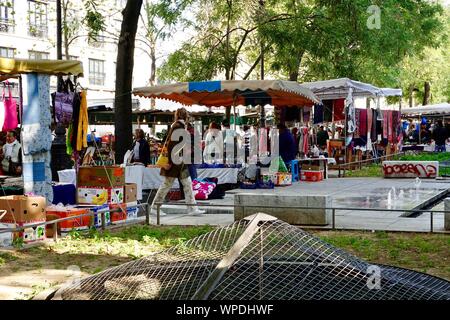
x,y
328,111
63,103
36,133
390,128
339,112
10,121
305,140
306,116
385,124
357,133
374,126
69,149
363,122
318,113
75,120
83,123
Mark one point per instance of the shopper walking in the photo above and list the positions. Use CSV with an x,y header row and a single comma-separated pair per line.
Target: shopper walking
x,y
173,171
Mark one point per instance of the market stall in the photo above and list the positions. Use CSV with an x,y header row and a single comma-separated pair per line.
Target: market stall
x,y
231,94
360,122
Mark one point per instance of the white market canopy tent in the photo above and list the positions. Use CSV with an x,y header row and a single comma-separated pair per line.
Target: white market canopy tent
x,y
340,88
436,109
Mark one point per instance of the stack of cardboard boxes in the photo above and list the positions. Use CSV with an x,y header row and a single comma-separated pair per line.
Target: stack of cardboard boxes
x,y
22,211
101,186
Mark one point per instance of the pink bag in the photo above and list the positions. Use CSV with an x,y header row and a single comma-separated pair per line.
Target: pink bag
x,y
11,121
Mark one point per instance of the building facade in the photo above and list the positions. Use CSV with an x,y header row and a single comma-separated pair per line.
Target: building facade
x,y
28,31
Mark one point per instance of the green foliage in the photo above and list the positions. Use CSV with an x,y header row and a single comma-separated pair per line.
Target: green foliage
x,y
94,19
438,156
372,171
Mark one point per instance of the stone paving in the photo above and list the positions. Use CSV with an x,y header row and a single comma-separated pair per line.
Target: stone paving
x,y
346,193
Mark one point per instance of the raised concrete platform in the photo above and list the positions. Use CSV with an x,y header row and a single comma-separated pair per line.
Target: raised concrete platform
x,y
285,207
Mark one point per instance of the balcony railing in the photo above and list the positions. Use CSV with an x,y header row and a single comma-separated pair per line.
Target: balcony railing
x,y
38,31
7,26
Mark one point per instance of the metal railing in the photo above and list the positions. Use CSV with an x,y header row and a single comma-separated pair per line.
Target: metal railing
x,y
332,209
148,213
359,164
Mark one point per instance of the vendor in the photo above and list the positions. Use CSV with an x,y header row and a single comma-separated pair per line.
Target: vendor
x,y
287,146
12,155
322,137
141,148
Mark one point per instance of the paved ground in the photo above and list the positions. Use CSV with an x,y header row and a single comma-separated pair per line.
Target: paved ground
x,y
405,194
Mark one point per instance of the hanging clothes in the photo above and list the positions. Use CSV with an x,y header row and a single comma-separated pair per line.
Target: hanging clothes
x,y
357,133
10,121
390,127
75,120
385,124
318,113
328,110
339,110
374,126
83,123
363,123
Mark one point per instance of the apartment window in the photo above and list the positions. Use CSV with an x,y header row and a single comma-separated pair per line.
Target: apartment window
x,y
97,72
7,52
99,42
121,4
7,16
38,55
37,19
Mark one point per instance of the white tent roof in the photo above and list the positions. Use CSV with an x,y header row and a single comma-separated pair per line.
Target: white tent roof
x,y
339,88
442,108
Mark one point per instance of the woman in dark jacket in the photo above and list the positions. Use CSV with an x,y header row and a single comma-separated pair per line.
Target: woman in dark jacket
x,y
174,170
141,148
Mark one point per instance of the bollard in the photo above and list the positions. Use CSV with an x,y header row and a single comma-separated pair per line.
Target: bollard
x,y
431,221
103,220
334,219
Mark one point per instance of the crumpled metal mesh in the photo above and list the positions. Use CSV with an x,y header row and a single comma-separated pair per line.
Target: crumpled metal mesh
x,y
280,262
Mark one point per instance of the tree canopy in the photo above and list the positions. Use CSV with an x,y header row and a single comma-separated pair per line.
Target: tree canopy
x,y
302,40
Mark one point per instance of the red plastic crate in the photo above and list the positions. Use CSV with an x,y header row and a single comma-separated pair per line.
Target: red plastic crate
x,y
312,176
81,223
118,213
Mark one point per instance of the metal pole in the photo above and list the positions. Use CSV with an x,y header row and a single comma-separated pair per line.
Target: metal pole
x,y
158,214
431,221
334,219
103,215
59,35
55,232
147,214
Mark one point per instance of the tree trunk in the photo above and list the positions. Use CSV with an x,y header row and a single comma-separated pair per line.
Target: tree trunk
x,y
295,71
153,73
65,29
427,93
411,96
124,79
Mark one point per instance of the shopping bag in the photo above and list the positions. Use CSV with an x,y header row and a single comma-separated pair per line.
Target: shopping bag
x,y
278,165
63,104
11,122
163,159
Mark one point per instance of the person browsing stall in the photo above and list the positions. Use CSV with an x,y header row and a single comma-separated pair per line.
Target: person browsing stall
x,y
12,155
141,148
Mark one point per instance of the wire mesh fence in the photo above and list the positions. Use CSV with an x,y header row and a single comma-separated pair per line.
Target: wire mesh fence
x,y
258,258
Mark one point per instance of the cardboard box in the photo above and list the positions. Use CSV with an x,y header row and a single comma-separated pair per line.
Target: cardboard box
x,y
96,219
107,177
311,176
130,192
266,177
82,223
23,209
30,234
283,179
132,212
99,196
118,213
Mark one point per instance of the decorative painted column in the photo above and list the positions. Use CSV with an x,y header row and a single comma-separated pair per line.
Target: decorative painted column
x,y
37,138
